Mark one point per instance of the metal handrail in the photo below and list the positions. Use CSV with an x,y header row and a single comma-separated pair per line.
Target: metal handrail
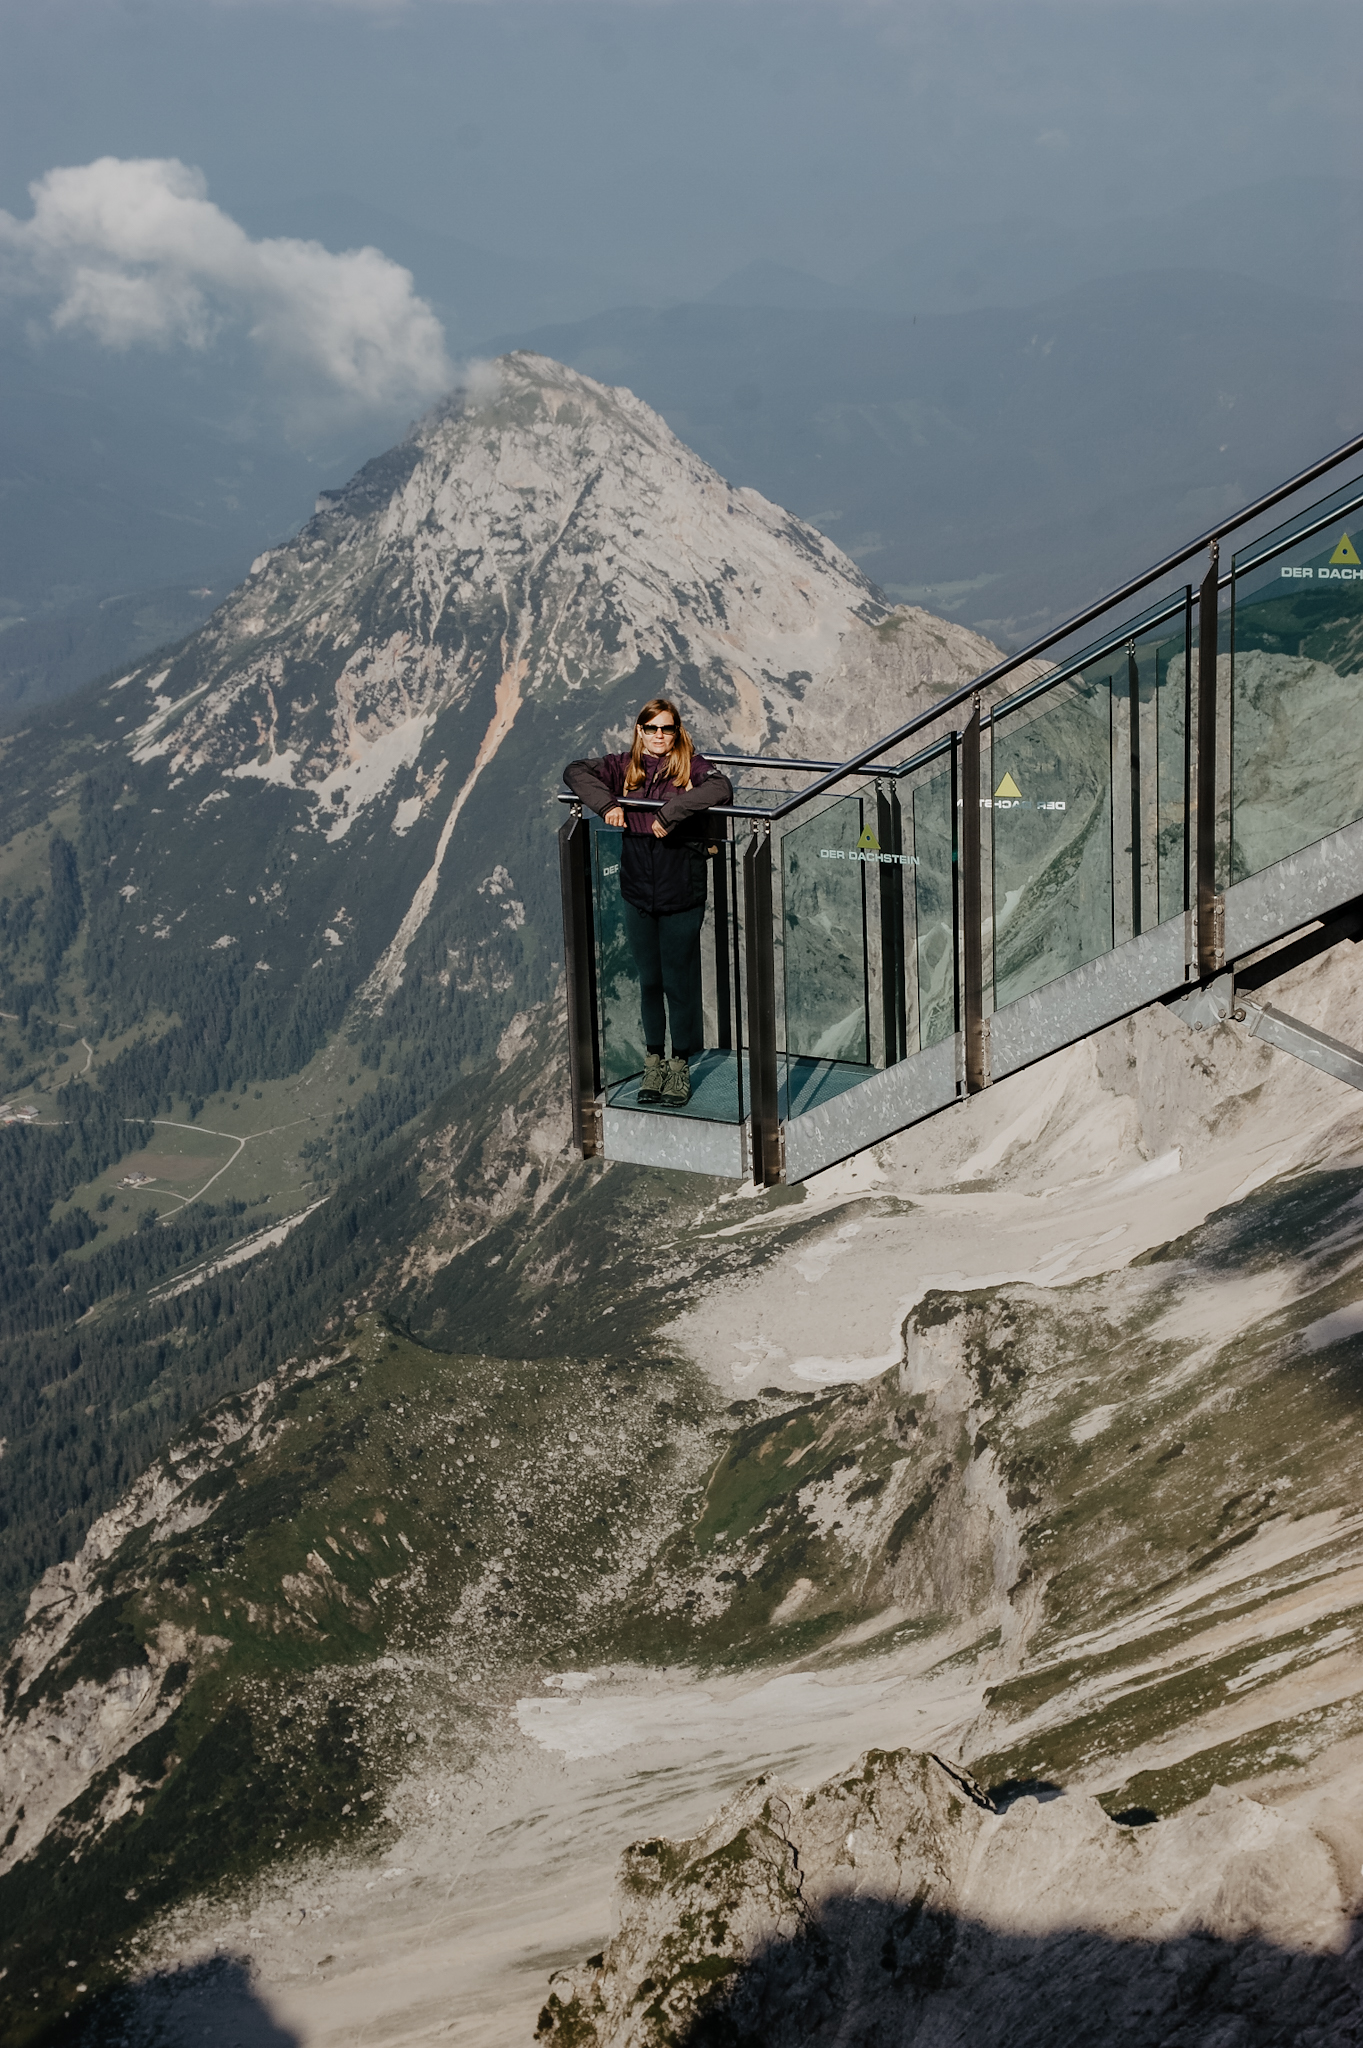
x,y
966,691
759,811
863,763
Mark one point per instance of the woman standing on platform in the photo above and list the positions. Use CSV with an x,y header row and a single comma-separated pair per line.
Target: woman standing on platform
x,y
663,874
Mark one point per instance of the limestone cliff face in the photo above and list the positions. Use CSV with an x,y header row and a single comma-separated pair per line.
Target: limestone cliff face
x,y
897,1904
546,537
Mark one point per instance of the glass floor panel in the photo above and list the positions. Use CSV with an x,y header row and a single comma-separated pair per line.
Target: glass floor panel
x,y
803,1084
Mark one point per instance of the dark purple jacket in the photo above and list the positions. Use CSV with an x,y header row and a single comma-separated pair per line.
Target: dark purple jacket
x,y
658,876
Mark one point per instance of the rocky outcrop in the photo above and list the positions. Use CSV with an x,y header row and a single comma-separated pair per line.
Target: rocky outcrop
x,y
899,1905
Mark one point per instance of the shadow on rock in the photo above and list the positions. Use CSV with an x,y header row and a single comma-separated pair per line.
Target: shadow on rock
x,y
214,2004
900,1906
873,1971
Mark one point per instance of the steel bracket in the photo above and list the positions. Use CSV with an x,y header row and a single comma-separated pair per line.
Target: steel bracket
x,y
1217,1003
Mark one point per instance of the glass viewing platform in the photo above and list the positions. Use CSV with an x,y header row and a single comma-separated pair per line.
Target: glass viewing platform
x,y
1113,816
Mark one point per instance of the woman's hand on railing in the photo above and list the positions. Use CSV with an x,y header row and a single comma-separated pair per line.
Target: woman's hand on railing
x,y
614,816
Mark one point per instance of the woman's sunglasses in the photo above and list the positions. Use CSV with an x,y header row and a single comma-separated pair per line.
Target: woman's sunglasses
x,y
657,728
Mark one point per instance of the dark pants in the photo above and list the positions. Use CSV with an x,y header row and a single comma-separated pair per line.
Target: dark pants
x,y
667,956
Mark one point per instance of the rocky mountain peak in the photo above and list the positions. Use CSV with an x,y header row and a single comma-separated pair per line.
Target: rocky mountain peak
x,y
538,535
541,550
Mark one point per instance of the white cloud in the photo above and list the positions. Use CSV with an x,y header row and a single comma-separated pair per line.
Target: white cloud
x,y
134,251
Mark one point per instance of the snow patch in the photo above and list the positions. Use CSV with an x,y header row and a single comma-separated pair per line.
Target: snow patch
x,y
833,1372
1093,1424
278,769
1334,1329
372,766
147,746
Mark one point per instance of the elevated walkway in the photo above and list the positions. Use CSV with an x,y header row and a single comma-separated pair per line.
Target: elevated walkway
x,y
1181,790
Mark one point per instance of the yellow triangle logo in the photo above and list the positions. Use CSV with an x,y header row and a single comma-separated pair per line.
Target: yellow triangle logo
x,y
1008,787
868,843
1346,551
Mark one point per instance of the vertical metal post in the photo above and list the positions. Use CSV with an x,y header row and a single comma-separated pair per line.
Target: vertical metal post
x,y
890,833
724,1000
761,991
957,1008
865,941
579,970
1210,908
972,922
1133,700
1187,743
736,962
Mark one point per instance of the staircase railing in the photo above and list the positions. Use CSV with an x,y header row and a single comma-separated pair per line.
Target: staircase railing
x,y
898,933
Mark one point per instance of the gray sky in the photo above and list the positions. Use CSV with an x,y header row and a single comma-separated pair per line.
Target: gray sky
x,y
178,373
662,143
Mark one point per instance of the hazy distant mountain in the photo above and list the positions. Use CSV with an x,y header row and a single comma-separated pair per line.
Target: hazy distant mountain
x,y
1298,234
777,284
48,657
129,473
475,291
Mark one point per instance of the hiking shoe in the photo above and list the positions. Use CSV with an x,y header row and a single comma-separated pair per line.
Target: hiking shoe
x,y
677,1086
655,1073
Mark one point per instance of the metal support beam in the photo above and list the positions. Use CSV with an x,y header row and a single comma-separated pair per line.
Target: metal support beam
x,y
1219,1003
1304,1042
974,1027
1211,949
579,969
764,1080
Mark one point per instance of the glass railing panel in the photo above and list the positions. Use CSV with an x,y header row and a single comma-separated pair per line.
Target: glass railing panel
x,y
848,965
930,807
619,1023
1052,817
824,934
718,1083
1297,683
1171,662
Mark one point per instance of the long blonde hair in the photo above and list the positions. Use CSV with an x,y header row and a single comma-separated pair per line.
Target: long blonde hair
x,y
678,761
